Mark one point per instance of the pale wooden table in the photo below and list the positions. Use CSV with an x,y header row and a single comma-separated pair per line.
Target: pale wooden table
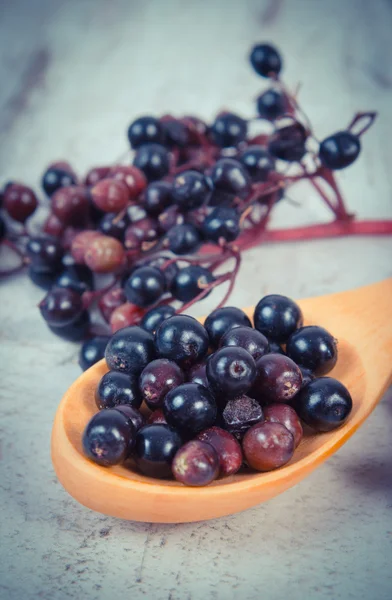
x,y
73,75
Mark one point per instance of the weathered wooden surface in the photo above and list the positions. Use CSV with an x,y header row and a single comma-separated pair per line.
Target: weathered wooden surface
x,y
73,76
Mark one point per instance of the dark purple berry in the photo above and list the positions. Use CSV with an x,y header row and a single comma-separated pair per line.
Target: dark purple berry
x,y
114,225
145,286
271,104
155,448
153,160
190,190
154,317
226,446
222,319
157,379
228,130
108,438
183,239
250,339
230,176
145,130
231,372
288,143
54,179
157,197
258,162
278,379
286,415
266,60
223,222
117,388
277,317
340,150
268,446
129,350
44,252
190,282
183,339
190,408
313,348
132,414
61,306
196,464
92,351
324,404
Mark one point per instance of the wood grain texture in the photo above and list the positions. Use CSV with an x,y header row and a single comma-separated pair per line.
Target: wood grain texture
x,y
74,73
359,316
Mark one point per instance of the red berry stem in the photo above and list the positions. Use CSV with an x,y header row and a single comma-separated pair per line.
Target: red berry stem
x,y
369,118
251,238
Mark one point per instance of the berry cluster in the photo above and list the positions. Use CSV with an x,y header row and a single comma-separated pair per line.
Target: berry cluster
x,y
218,396
163,227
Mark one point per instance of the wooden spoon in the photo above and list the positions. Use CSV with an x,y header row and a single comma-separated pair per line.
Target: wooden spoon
x,y
360,319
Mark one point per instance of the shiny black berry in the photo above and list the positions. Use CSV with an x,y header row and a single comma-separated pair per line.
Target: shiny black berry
x,y
118,388
129,350
288,143
313,348
324,404
258,162
340,150
183,239
277,317
61,306
190,190
247,338
108,438
114,225
92,351
54,179
230,176
231,372
266,60
44,252
145,130
157,197
190,282
223,222
153,160
154,317
271,104
190,408
145,286
157,379
183,339
222,319
228,130
155,447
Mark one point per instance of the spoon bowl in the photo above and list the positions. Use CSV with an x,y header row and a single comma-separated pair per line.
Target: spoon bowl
x,y
359,319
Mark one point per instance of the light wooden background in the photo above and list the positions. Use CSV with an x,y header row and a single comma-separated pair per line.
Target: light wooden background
x,y
73,74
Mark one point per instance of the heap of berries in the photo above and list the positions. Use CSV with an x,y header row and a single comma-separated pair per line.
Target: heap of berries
x,y
218,396
163,227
